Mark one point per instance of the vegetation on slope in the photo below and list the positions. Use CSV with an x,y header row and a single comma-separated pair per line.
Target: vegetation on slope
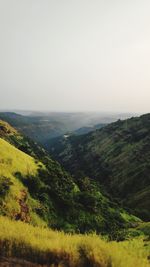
x,y
118,156
39,245
51,193
15,200
36,190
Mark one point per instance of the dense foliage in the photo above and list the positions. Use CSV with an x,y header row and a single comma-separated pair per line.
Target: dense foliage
x,y
117,156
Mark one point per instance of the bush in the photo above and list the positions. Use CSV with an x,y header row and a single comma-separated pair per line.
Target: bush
x,y
5,184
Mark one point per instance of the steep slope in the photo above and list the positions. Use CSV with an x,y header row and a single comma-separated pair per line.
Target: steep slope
x,y
15,200
118,156
35,188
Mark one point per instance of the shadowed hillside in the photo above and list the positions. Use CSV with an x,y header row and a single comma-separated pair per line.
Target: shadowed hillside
x,y
118,156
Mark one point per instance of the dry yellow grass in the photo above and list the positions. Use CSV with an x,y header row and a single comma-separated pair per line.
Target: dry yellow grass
x,y
50,247
13,160
9,130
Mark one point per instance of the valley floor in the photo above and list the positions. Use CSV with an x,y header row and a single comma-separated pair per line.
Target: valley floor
x,y
44,247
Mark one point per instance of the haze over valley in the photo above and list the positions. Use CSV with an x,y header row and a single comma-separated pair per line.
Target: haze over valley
x,y
74,133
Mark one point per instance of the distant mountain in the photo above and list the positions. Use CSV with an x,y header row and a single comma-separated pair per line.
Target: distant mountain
x,y
36,189
42,127
117,156
39,129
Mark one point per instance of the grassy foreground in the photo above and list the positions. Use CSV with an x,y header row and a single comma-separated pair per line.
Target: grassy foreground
x,y
45,246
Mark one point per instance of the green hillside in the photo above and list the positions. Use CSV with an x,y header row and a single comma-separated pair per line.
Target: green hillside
x,y
15,200
37,189
118,156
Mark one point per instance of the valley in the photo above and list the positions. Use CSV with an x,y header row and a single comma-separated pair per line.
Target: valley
x,y
73,203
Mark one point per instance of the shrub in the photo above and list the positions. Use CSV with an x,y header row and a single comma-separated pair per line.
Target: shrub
x,y
5,184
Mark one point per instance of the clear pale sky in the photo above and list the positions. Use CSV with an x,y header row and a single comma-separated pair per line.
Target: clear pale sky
x,y
75,55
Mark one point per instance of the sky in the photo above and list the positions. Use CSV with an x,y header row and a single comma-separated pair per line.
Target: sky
x,y
75,55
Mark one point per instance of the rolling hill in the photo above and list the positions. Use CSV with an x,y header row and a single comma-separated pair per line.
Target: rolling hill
x,y
117,156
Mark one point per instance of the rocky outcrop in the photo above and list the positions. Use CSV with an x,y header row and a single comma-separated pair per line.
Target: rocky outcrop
x,y
23,215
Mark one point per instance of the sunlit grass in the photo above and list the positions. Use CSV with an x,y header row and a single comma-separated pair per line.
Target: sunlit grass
x,y
12,160
46,246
